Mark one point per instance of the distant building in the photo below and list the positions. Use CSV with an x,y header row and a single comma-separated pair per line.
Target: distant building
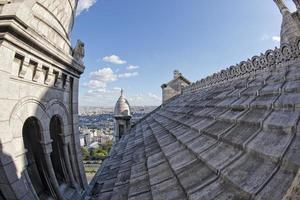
x,y
122,116
87,139
82,142
174,87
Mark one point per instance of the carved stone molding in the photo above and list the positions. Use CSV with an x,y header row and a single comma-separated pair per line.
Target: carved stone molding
x,y
271,58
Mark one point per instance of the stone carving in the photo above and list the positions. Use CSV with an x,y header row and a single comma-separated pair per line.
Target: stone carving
x,y
271,58
78,52
290,27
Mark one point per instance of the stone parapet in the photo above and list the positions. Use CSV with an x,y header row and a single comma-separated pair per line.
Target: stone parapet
x,y
286,54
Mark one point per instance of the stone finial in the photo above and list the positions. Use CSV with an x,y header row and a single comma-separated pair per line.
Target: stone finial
x,y
297,3
282,7
176,74
78,52
122,91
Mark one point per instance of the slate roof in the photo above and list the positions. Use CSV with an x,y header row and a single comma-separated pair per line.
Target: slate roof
x,y
233,135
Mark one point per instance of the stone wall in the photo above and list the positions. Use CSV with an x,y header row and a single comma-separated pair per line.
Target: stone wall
x,y
39,78
50,19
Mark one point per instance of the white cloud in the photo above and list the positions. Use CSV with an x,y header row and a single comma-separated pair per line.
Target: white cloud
x,y
84,5
99,91
276,38
114,59
132,67
105,74
108,97
265,37
100,78
128,74
95,84
144,99
154,96
117,88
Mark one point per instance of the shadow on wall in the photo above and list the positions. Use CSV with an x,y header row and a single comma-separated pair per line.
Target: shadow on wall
x,y
6,158
39,158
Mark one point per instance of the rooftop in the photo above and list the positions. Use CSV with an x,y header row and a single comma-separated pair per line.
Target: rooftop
x,y
233,135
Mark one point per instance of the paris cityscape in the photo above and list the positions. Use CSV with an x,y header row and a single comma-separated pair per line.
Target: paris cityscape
x,y
96,127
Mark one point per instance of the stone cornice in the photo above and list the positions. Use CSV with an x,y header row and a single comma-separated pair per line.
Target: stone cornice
x,y
15,27
286,54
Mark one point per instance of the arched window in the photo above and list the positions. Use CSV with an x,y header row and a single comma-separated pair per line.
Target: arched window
x,y
36,166
57,154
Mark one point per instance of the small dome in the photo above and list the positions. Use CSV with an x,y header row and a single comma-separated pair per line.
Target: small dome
x,y
122,107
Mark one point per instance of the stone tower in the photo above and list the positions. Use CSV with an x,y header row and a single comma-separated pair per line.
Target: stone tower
x,y
290,27
122,116
174,87
39,75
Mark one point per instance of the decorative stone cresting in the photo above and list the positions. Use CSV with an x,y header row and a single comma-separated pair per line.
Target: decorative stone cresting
x,y
271,58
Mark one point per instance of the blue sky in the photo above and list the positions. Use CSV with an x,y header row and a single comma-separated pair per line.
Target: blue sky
x,y
136,44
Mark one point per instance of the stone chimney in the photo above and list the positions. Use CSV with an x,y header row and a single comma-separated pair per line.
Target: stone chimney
x,y
174,87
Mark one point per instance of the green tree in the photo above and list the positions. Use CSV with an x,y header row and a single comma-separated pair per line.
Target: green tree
x,y
85,153
99,153
107,145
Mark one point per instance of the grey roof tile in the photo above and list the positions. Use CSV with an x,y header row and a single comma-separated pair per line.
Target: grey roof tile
x,y
218,190
181,159
289,100
235,140
194,176
160,173
271,143
250,172
155,159
240,133
143,196
139,185
168,190
120,192
220,155
278,186
138,170
201,144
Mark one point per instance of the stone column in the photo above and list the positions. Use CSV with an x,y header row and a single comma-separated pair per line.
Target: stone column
x,y
68,162
73,163
47,149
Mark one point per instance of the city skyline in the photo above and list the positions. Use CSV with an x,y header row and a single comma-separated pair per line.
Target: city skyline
x,y
133,49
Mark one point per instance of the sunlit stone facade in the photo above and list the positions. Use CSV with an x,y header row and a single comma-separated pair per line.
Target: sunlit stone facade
x,y
39,76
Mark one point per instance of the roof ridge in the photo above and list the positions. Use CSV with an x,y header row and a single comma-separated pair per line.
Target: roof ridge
x,y
283,55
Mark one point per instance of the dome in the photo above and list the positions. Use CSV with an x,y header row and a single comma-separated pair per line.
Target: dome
x,y
122,107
